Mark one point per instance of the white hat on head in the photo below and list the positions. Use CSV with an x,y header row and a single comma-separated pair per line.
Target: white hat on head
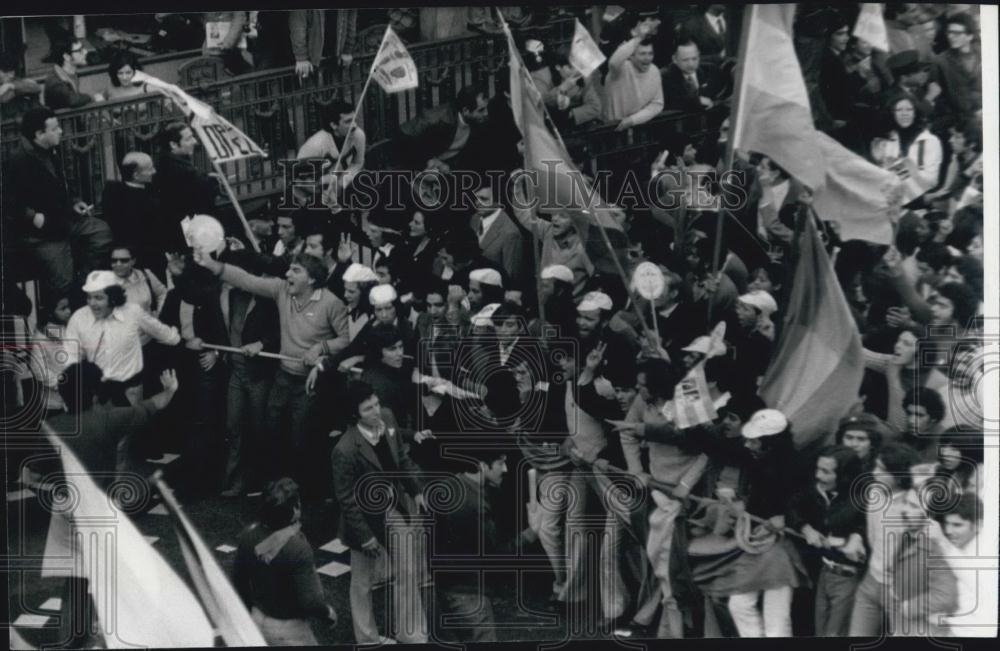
x,y
534,46
765,422
703,345
381,294
761,300
486,277
98,281
558,272
595,301
359,273
483,318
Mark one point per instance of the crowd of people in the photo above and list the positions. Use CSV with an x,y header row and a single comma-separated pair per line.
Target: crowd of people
x,y
341,352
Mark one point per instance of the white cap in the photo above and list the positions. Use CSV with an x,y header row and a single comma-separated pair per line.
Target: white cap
x,y
381,294
765,422
486,277
594,301
205,233
761,300
98,281
359,273
534,46
559,272
703,345
483,318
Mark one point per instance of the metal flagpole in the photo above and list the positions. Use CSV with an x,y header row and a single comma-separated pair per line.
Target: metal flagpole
x,y
236,204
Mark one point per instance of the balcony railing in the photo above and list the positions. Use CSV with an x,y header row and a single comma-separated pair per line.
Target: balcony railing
x,y
278,111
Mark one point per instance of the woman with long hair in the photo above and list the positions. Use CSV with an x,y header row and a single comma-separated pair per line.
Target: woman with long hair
x,y
909,149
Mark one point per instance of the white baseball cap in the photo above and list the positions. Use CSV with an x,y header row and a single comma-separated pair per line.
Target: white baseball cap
x,y
761,300
487,277
558,272
483,318
381,294
98,281
359,273
595,301
766,422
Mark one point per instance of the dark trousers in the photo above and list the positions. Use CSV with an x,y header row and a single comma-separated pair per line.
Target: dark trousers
x,y
246,408
202,456
78,627
834,602
466,615
285,426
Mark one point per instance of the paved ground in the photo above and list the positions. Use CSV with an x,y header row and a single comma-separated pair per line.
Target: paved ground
x,y
520,590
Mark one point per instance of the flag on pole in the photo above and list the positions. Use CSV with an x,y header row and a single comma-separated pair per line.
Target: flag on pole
x,y
223,142
860,196
693,402
224,606
394,69
140,600
814,377
584,55
560,186
772,114
871,26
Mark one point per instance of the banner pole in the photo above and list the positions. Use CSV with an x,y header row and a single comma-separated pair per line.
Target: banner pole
x,y
236,205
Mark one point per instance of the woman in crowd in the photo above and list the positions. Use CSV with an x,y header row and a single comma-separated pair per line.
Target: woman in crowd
x,y
123,66
572,99
909,149
142,287
358,282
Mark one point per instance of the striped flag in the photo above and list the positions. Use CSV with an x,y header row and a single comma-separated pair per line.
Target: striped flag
x,y
860,196
559,184
224,606
772,114
139,599
815,374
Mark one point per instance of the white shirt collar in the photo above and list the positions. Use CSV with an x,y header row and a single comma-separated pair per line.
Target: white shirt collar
x,y
489,219
370,436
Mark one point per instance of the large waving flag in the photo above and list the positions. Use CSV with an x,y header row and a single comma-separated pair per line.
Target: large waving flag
x,y
394,69
140,600
860,196
559,185
771,112
223,142
224,606
815,375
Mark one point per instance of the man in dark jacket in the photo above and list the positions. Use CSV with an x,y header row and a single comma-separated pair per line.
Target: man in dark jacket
x,y
62,86
136,216
449,134
369,459
181,188
687,85
37,203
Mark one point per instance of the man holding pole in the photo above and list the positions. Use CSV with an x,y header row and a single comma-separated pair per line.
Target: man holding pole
x,y
313,322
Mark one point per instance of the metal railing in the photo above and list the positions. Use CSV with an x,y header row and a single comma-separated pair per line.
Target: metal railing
x,y
278,111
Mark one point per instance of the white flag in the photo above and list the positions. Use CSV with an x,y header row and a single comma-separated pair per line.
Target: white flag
x,y
584,55
140,600
222,141
871,26
394,68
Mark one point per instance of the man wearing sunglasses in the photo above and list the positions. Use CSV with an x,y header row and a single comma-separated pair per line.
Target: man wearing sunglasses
x,y
62,86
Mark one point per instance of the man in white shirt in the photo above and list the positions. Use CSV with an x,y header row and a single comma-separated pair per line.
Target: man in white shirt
x,y
340,146
965,551
109,332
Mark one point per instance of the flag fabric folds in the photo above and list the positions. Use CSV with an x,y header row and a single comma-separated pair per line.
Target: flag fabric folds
x,y
140,601
815,374
223,142
584,55
559,185
223,604
860,196
394,69
772,114
870,26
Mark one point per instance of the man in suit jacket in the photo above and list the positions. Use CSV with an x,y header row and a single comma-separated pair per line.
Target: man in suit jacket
x,y
368,456
448,134
710,31
687,85
500,240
